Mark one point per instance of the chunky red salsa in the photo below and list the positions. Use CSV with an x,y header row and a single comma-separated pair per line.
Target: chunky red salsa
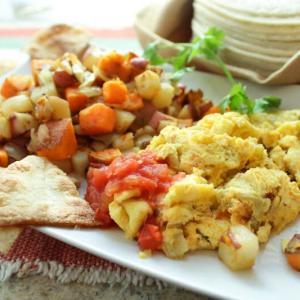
x,y
134,171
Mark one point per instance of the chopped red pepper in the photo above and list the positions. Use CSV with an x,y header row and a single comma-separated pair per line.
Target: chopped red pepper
x,y
150,237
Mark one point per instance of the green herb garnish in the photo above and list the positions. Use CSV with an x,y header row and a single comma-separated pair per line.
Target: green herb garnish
x,y
208,46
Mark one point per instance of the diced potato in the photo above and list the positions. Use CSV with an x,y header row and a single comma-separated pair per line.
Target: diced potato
x,y
91,58
105,156
238,248
137,210
147,84
119,215
124,141
126,195
20,123
80,161
4,128
164,96
45,79
19,103
124,120
61,109
43,109
185,113
174,243
143,141
37,93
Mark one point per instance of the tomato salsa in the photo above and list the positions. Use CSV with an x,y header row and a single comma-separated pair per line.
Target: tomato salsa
x,y
144,171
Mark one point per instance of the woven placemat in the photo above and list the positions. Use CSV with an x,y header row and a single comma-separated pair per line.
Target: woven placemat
x,y
25,252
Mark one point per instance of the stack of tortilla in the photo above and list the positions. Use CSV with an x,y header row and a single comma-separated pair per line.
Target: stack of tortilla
x,y
259,35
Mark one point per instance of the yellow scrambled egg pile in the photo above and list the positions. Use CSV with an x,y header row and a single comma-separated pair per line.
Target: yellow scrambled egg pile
x,y
241,170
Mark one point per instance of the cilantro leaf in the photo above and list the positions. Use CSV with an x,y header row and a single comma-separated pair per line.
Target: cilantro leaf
x,y
211,42
266,103
237,100
177,75
208,46
151,53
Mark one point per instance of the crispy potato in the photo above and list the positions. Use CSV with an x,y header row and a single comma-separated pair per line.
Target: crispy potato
x,y
164,96
105,156
20,123
119,215
123,120
61,109
124,141
238,248
19,103
4,128
43,110
147,84
137,210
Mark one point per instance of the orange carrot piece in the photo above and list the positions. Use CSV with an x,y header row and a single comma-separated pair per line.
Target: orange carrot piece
x,y
14,84
62,143
7,89
294,260
3,158
213,110
115,91
77,100
37,65
111,64
97,119
133,102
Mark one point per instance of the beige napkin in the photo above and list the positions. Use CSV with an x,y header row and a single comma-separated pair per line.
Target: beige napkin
x,y
170,20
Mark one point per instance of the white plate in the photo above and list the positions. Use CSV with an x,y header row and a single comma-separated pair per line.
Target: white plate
x,y
202,271
19,57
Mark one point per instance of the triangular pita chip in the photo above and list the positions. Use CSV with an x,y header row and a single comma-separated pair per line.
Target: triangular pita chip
x,y
34,191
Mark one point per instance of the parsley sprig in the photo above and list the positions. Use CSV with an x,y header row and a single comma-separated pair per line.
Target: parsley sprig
x,y
208,46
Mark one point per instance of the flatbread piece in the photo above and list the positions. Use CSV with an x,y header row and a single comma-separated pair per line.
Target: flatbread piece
x,y
34,191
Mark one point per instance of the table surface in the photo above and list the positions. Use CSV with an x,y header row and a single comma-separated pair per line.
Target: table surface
x,y
43,288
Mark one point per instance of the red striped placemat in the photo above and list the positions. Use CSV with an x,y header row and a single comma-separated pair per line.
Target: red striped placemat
x,y
34,253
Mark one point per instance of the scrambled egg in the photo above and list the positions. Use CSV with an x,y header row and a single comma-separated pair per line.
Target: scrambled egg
x,y
212,155
241,170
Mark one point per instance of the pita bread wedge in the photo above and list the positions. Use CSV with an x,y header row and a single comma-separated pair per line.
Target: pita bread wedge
x,y
34,191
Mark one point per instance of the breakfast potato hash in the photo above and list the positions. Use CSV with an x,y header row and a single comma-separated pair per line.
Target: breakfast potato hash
x,y
70,110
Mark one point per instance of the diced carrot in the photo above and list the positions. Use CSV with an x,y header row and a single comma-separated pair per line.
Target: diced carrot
x,y
97,119
3,158
77,100
37,65
62,143
116,65
105,156
7,89
14,84
111,64
294,260
213,110
115,91
133,102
